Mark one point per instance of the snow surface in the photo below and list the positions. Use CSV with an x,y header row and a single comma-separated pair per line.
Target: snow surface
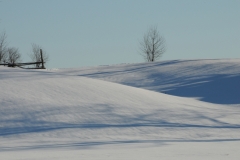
x,y
213,81
185,109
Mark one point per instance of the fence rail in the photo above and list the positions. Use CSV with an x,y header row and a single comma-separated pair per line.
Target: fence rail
x,y
20,65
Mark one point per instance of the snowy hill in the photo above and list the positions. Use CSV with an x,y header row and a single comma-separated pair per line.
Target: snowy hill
x,y
214,81
68,115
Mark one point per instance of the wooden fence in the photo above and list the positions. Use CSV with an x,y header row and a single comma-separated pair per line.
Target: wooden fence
x,y
20,65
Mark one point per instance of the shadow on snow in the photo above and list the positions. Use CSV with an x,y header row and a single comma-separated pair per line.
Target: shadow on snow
x,y
209,87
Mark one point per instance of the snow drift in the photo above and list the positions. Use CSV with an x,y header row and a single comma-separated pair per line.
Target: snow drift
x,y
67,109
214,81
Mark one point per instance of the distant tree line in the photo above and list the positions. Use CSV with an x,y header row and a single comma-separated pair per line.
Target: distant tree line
x,y
152,47
12,55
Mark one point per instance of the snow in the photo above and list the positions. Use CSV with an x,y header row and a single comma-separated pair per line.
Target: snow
x,y
183,109
211,81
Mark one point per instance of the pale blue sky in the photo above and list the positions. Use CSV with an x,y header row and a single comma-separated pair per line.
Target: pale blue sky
x,y
78,33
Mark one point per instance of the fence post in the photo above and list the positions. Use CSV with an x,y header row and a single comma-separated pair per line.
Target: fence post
x,y
42,59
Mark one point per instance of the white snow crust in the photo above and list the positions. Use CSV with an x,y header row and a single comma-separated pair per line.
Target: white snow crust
x,y
182,109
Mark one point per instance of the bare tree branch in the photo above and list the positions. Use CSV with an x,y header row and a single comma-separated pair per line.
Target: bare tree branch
x,y
153,45
36,55
3,47
13,55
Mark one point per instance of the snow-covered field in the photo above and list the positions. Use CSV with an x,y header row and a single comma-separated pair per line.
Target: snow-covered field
x,y
182,109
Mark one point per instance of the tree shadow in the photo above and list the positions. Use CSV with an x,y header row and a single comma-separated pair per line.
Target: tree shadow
x,y
89,145
219,89
208,86
103,72
31,121
28,122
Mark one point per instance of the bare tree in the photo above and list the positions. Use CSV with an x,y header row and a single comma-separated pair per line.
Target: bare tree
x,y
13,55
36,55
3,47
153,45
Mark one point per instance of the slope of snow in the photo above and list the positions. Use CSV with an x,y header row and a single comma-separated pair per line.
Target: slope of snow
x,y
61,115
214,81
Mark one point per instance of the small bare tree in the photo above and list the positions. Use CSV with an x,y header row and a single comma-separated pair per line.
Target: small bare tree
x,y
36,55
153,45
3,47
13,55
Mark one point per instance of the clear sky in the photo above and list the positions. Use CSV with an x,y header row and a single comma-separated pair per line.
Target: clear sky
x,y
77,33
